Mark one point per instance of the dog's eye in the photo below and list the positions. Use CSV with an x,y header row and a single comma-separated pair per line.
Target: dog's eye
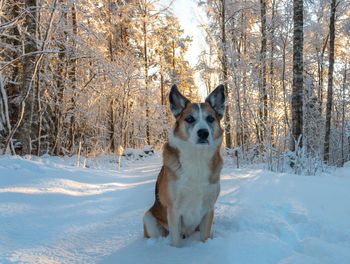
x,y
190,119
210,119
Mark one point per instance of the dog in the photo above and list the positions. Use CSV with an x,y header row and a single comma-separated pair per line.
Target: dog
x,y
188,184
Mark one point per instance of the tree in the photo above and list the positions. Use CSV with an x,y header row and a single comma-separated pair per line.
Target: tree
x,y
343,116
28,74
146,20
103,76
263,92
170,49
224,68
329,104
297,92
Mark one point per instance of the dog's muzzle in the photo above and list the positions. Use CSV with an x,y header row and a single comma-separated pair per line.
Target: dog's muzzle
x,y
203,136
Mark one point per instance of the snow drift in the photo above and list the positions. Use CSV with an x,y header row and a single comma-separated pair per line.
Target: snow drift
x,y
54,212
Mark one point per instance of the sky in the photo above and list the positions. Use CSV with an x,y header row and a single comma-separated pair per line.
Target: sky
x,y
187,12
189,15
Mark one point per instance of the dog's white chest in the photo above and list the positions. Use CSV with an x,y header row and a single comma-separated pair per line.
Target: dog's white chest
x,y
195,195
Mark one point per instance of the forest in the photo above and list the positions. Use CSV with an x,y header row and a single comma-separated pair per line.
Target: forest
x,y
96,75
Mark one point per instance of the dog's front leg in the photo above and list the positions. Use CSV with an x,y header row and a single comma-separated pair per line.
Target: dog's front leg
x,y
205,225
174,224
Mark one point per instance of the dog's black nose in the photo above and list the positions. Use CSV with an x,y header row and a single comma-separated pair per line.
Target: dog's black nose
x,y
203,133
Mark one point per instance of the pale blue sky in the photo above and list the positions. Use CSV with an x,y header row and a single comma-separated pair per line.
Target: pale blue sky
x,y
187,11
189,15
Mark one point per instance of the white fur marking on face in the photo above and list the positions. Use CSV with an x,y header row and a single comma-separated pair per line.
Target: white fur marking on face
x,y
201,124
200,109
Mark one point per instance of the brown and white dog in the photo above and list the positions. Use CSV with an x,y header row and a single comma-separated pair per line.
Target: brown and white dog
x,y
188,183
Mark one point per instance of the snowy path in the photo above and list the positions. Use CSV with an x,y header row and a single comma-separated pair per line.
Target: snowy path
x,y
52,212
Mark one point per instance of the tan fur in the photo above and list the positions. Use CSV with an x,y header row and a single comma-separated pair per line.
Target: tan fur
x,y
171,160
211,218
179,130
217,130
215,166
167,173
145,233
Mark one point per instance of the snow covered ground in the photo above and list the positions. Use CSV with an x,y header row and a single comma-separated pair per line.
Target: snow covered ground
x,y
54,212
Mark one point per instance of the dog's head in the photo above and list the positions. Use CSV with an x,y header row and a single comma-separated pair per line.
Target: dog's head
x,y
198,123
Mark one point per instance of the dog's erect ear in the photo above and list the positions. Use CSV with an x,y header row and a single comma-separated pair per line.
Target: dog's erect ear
x,y
177,101
217,100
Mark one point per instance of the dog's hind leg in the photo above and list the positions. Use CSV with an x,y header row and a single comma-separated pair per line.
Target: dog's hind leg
x,y
151,226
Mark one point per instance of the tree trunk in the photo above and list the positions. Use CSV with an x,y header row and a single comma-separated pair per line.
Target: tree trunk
x,y
148,133
73,78
162,101
5,111
13,88
320,73
240,133
272,72
112,143
38,97
297,93
263,92
343,116
111,123
60,84
27,75
283,77
145,53
240,126
330,81
228,139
